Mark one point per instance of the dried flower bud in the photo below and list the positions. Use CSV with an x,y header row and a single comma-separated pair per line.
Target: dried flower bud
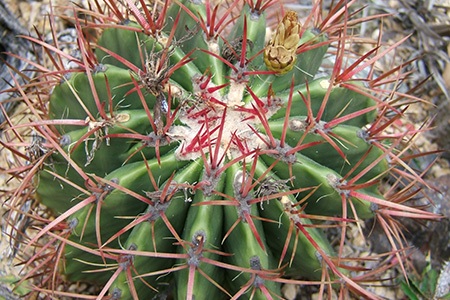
x,y
279,53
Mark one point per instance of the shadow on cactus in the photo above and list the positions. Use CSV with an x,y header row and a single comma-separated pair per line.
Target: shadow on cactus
x,y
181,153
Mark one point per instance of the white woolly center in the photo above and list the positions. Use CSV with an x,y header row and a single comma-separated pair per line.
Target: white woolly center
x,y
206,121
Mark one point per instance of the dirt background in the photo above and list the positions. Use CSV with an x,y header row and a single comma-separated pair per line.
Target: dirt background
x,y
428,23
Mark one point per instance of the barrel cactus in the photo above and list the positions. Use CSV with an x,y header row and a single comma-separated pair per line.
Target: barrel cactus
x,y
184,153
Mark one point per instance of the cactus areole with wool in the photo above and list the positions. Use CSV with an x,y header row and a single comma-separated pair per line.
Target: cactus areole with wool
x,y
197,158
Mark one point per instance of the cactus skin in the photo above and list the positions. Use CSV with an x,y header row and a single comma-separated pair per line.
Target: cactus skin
x,y
113,159
187,161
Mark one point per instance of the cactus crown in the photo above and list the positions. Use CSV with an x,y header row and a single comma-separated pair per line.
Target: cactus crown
x,y
183,152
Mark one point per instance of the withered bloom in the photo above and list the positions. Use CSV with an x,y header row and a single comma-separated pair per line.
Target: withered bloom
x,y
279,53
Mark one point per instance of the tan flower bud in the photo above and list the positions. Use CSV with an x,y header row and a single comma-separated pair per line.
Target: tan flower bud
x,y
279,53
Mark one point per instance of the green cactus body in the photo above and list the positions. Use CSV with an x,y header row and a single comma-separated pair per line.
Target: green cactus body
x,y
195,135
